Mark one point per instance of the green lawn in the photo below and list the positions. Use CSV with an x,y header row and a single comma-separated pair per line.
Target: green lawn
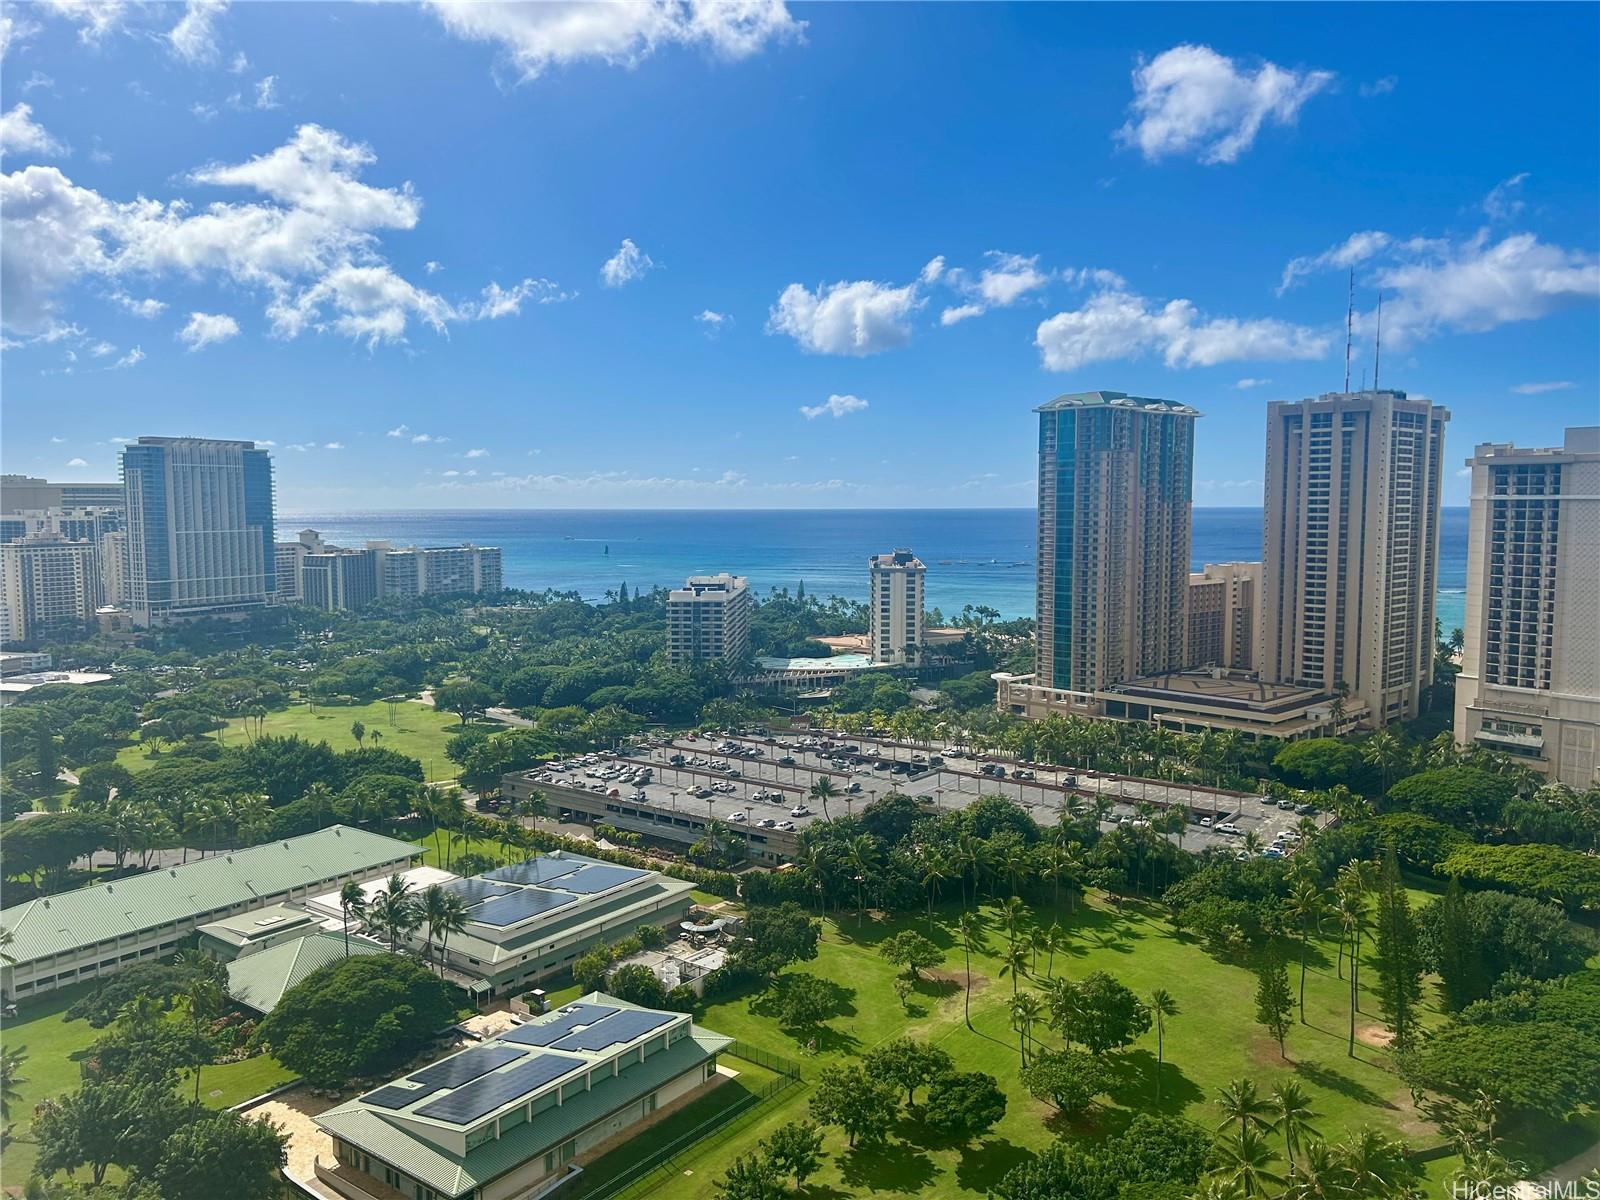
x,y
417,730
55,1046
1212,1040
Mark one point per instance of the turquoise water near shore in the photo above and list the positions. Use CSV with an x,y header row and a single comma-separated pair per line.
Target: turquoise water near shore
x,y
978,556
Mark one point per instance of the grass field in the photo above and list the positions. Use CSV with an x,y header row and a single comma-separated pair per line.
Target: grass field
x,y
1213,1039
417,730
55,1047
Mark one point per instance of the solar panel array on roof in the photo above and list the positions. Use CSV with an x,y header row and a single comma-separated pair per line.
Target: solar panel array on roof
x,y
474,891
463,1068
394,1096
467,1104
519,906
599,879
623,1027
570,1018
538,870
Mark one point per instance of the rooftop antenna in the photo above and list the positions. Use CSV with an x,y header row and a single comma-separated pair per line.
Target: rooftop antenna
x,y
1349,328
1377,345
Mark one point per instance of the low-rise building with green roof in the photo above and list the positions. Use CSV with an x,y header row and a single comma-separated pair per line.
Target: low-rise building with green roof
x,y
258,981
95,931
518,1113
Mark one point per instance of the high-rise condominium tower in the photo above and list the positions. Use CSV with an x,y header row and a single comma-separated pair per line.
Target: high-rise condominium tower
x,y
895,617
199,528
709,618
1351,549
1115,481
1530,672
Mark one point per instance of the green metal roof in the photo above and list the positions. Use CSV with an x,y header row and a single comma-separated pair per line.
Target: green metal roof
x,y
72,920
259,980
1115,399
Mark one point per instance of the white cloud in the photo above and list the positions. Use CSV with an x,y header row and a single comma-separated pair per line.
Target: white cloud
x,y
101,349
1246,384
626,265
432,268
450,474
1539,389
14,30
1504,200
479,453
267,92
333,446
77,462
194,37
422,439
933,269
1354,250
856,318
205,112
131,359
1193,102
207,329
310,243
94,18
536,37
57,440
834,406
38,79
1117,324
1007,279
20,133
400,431
960,312
240,64
1480,284
1380,87
714,322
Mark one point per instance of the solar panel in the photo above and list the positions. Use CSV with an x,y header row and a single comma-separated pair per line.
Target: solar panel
x,y
463,1068
598,879
623,1027
474,891
467,1104
537,870
395,1096
570,1018
519,906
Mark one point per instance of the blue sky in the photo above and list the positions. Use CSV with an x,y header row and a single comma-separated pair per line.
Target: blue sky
x,y
740,254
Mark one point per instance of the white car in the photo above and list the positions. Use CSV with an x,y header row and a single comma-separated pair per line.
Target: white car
x,y
739,817
1228,827
799,810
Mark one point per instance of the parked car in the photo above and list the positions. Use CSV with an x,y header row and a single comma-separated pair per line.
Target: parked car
x,y
799,810
786,761
1228,827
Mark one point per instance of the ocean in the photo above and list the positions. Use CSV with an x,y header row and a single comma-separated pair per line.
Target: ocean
x,y
978,556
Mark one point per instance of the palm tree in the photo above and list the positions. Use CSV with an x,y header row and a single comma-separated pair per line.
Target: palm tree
x,y
1246,1164
1014,960
822,791
452,918
1370,1163
393,910
1305,908
969,930
537,806
1027,1014
1161,1006
431,910
320,796
1056,940
352,903
1383,750
205,1002
1318,1175
1012,910
1240,1102
1295,1115
813,862
935,870
11,1061
862,853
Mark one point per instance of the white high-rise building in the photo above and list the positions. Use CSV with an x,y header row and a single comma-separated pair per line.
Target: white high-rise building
x,y
114,568
709,618
200,524
46,581
1530,672
1351,547
895,607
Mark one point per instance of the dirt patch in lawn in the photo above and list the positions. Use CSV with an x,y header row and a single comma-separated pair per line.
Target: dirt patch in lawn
x,y
1374,1035
959,978
1264,1050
